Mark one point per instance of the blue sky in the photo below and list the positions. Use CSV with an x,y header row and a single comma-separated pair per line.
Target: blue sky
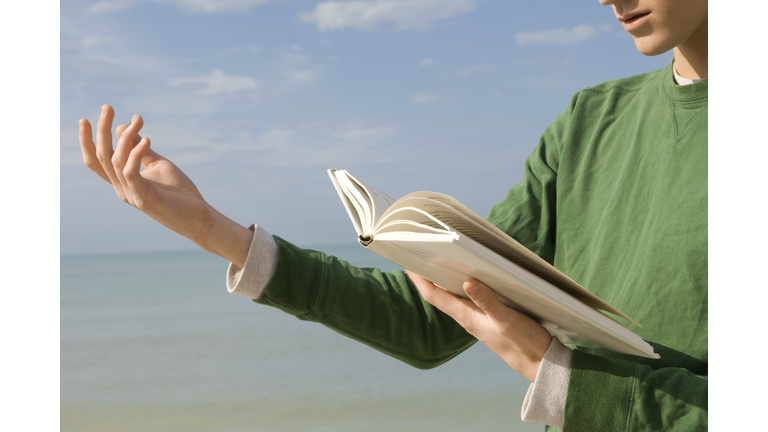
x,y
255,99
121,59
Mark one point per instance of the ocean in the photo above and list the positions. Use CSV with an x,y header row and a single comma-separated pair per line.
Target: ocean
x,y
154,342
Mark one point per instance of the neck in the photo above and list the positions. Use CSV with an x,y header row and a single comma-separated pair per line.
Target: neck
x,y
691,56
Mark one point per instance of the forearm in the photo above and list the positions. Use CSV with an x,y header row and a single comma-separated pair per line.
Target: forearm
x,y
381,310
225,238
545,400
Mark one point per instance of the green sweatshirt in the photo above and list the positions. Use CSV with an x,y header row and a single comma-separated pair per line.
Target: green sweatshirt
x,y
615,196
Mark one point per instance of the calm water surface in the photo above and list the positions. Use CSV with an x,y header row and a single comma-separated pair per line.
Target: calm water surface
x,y
154,342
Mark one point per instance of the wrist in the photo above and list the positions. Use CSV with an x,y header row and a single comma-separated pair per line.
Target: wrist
x,y
226,238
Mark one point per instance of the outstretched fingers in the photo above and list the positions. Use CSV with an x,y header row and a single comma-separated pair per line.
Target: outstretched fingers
x,y
149,156
104,149
131,173
127,139
121,128
88,148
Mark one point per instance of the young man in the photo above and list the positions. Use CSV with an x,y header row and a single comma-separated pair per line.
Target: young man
x,y
614,195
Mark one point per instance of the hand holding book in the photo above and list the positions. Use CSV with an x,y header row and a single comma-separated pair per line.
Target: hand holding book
x,y
520,341
437,237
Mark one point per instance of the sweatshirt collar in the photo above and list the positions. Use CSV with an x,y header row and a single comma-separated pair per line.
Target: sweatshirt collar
x,y
682,93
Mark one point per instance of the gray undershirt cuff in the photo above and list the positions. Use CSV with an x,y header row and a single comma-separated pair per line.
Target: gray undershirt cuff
x,y
259,267
545,400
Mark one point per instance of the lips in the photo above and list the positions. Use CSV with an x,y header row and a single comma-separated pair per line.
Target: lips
x,y
636,18
633,21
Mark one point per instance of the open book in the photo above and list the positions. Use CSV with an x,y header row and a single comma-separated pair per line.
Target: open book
x,y
437,237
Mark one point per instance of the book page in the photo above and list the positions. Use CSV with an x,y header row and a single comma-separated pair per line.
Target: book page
x,y
357,197
460,218
405,228
448,260
349,206
422,231
410,214
493,229
378,200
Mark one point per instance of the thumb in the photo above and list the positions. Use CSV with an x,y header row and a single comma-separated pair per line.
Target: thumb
x,y
482,296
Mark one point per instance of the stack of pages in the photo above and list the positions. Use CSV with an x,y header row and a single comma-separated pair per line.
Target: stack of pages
x,y
437,237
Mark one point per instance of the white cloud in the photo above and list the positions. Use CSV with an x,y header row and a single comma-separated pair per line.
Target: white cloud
x,y
296,145
75,36
217,82
427,62
472,70
373,14
253,49
322,144
317,144
94,40
557,36
295,67
294,55
107,6
198,6
75,40
421,98
467,71
213,6
298,76
360,132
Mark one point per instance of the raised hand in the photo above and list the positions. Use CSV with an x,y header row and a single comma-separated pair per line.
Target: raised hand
x,y
520,341
161,190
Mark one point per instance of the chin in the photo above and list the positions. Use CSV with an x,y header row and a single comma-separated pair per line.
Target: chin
x,y
650,47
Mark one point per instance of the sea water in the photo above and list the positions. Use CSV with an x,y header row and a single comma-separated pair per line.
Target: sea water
x,y
154,342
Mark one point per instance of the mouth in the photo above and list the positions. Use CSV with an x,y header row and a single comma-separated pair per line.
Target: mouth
x,y
635,18
631,22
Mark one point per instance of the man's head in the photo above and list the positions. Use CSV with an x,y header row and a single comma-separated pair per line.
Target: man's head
x,y
658,26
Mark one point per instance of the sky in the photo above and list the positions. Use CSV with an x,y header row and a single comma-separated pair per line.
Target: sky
x,y
433,85
256,99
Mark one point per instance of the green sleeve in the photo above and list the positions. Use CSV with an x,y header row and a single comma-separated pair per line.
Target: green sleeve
x,y
383,310
618,395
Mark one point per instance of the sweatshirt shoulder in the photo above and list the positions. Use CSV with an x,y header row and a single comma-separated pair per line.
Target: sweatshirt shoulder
x,y
619,92
630,84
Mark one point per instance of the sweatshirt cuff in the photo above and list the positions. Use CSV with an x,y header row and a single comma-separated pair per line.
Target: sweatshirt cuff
x,y
545,400
259,267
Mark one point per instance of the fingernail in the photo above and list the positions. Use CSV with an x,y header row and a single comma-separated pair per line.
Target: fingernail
x,y
472,288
